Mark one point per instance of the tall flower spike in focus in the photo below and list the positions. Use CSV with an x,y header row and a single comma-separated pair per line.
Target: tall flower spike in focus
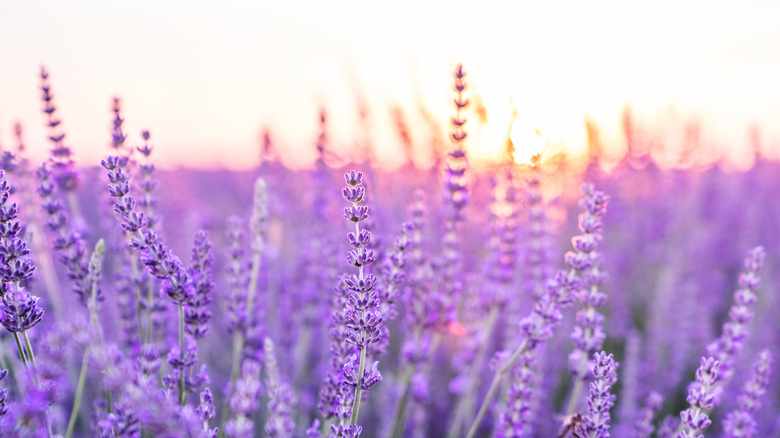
x,y
19,311
362,308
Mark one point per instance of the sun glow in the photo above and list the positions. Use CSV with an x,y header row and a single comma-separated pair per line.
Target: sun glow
x,y
528,140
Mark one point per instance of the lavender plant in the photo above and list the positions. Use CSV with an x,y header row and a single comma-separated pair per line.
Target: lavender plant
x,y
263,315
741,422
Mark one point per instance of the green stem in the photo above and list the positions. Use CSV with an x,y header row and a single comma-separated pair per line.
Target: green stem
x,y
362,364
253,279
149,309
137,292
579,379
238,342
29,347
358,390
22,353
400,409
74,413
32,361
181,353
326,427
238,338
466,399
7,364
494,387
46,266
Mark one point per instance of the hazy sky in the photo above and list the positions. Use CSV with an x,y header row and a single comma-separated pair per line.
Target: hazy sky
x,y
205,77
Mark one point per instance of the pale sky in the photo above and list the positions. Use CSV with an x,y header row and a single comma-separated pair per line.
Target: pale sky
x,y
205,77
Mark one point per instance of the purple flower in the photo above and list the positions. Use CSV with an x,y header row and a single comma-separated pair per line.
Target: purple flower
x,y
69,244
149,362
356,319
148,202
61,155
362,308
701,398
583,281
588,335
197,312
19,311
244,401
237,277
513,422
600,401
279,423
207,412
15,263
741,423
121,423
643,426
456,196
735,330
3,395
118,137
159,260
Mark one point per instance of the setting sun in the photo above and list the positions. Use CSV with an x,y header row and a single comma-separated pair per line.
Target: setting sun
x,y
528,140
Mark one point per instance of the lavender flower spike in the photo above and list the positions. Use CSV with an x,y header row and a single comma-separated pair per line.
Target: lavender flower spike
x,y
539,325
61,155
740,423
600,400
588,335
279,422
197,315
19,311
361,311
207,412
643,427
244,401
701,399
3,395
735,330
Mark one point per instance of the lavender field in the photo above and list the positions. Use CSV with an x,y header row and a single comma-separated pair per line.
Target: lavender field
x,y
547,297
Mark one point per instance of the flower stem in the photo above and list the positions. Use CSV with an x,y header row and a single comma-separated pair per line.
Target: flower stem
x,y
74,413
400,409
494,386
466,399
137,290
362,364
358,390
29,347
150,310
181,354
22,353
